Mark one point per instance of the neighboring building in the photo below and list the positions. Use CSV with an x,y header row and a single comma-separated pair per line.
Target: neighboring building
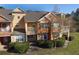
x,y
18,25
5,26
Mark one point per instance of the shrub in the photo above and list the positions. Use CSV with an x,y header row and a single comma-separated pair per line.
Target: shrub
x,y
59,42
45,43
17,47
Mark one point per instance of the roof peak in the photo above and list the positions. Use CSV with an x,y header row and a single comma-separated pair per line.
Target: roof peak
x,y
17,10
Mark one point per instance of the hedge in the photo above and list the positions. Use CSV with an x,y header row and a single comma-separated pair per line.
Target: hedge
x,y
50,43
19,47
59,42
45,43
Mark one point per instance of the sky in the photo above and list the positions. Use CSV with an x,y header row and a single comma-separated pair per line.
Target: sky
x,y
66,8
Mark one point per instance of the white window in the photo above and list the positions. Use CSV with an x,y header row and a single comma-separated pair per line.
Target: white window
x,y
20,38
55,25
44,25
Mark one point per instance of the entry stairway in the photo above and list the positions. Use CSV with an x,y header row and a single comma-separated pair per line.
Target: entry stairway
x,y
2,47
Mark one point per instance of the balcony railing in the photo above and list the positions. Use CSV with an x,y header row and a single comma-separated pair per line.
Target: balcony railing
x,y
6,29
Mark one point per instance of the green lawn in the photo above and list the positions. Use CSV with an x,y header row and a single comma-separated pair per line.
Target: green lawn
x,y
72,49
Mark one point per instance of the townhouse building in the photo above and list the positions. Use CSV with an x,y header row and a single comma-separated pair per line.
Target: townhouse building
x,y
18,25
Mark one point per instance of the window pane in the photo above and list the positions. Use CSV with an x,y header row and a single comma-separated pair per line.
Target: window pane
x,y
55,25
20,38
44,25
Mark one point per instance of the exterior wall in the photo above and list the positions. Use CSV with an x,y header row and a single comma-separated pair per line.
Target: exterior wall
x,y
17,17
21,24
31,28
4,34
17,23
42,30
13,38
50,19
35,26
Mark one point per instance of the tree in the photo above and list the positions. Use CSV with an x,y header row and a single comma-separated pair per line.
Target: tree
x,y
76,18
2,8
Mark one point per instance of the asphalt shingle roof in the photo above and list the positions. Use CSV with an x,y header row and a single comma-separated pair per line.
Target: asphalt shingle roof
x,y
34,16
30,16
5,13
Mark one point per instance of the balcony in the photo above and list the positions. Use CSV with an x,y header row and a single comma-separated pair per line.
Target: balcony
x,y
4,31
4,27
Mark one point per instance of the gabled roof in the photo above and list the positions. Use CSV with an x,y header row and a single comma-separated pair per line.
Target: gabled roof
x,y
34,16
5,13
17,10
31,16
3,19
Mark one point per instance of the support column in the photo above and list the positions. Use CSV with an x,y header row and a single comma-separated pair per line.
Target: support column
x,y
26,30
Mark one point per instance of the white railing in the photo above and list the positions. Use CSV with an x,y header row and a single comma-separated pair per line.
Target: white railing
x,y
6,29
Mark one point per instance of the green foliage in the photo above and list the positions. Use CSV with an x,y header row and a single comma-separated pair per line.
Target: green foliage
x,y
76,19
51,43
45,43
2,7
59,42
19,47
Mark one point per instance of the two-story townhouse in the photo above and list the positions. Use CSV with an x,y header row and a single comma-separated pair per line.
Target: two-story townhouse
x,y
31,26
50,25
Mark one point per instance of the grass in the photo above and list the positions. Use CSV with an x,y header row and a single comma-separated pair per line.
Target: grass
x,y
72,49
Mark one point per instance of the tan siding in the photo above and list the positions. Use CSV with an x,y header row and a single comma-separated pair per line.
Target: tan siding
x,y
16,19
13,38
